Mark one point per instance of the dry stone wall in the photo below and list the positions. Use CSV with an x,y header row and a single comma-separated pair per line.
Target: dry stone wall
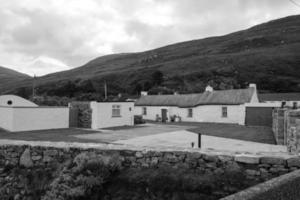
x,y
286,128
84,113
49,160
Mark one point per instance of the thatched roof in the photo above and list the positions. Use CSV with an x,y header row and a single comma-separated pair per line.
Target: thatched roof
x,y
221,97
279,97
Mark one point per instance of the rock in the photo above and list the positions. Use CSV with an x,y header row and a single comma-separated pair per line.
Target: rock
x,y
252,172
35,158
225,158
247,159
232,167
273,160
25,159
293,162
210,158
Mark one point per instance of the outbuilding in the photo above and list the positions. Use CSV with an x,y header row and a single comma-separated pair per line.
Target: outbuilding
x,y
19,114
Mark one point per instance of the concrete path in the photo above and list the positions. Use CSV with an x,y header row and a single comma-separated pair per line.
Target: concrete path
x,y
109,136
183,139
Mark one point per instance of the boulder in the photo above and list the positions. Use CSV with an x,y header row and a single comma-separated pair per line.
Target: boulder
x,y
25,159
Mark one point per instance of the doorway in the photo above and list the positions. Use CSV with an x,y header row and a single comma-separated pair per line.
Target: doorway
x,y
164,117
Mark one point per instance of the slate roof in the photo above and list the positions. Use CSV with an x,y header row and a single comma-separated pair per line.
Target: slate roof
x,y
216,97
279,97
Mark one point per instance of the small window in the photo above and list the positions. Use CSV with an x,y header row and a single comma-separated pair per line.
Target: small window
x,y
295,105
116,111
190,112
224,112
9,102
144,111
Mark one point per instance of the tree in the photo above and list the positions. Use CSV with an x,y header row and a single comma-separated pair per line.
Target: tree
x,y
157,77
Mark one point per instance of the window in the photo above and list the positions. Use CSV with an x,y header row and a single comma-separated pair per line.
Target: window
x,y
224,111
9,102
190,112
116,111
144,111
295,105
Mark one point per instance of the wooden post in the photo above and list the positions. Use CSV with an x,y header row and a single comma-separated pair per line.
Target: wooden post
x,y
199,140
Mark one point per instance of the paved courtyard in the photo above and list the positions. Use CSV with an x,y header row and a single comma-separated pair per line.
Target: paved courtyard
x,y
185,138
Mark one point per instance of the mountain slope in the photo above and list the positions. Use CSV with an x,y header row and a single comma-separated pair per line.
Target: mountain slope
x,y
266,54
9,77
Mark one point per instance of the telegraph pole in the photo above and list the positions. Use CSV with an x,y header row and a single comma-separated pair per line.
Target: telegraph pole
x,y
33,86
105,90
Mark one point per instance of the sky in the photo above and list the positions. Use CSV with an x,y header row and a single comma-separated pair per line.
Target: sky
x,y
45,36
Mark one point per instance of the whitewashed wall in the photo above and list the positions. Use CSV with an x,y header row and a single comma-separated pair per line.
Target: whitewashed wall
x,y
102,114
33,118
206,113
6,118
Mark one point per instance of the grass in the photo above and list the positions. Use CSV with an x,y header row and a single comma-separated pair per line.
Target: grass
x,y
261,134
54,135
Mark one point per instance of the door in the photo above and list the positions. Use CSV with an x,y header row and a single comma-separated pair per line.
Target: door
x,y
259,116
164,115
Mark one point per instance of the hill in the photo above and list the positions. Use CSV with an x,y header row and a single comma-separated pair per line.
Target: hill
x,y
266,54
9,77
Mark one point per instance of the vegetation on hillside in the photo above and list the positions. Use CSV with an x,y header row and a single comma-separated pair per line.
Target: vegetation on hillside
x,y
267,54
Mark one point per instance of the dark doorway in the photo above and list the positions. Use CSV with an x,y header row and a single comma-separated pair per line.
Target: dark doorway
x,y
259,116
73,117
164,117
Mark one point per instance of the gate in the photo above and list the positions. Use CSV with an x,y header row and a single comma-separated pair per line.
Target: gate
x,y
73,117
259,116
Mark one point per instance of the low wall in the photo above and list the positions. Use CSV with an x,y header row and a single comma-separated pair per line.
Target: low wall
x,y
33,118
285,187
244,170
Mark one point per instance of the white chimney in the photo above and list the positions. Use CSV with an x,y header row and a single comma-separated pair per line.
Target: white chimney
x,y
252,85
209,89
144,93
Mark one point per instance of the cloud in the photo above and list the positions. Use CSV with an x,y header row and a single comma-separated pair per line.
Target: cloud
x,y
72,32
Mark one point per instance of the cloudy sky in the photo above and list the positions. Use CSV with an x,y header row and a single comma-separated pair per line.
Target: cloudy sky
x,y
43,36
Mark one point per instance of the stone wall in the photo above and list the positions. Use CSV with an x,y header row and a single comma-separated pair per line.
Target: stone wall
x,y
84,113
285,187
286,128
251,169
278,125
293,131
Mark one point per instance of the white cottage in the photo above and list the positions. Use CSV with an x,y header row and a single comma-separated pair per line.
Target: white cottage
x,y
218,106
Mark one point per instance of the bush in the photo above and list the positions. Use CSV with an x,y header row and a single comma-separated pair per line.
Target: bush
x,y
138,119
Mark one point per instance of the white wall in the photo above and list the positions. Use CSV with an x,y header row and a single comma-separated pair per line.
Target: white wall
x,y
16,101
31,118
206,113
102,114
6,118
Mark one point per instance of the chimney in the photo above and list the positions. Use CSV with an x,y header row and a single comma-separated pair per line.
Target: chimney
x,y
252,85
209,89
144,93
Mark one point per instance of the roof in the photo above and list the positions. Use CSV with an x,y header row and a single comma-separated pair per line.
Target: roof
x,y
279,97
217,97
13,101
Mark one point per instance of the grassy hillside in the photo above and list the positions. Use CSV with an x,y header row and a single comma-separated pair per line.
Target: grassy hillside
x,y
267,54
9,77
